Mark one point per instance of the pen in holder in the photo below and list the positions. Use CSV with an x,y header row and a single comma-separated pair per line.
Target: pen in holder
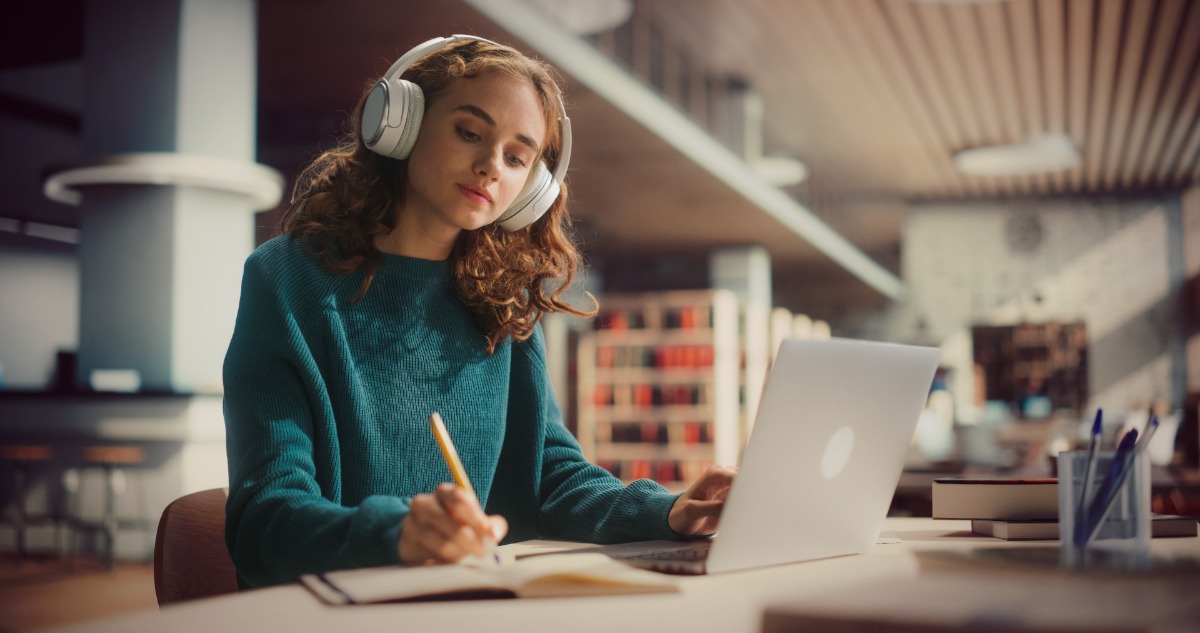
x,y
1110,529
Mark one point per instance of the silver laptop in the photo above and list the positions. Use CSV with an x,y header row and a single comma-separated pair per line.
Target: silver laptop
x,y
821,464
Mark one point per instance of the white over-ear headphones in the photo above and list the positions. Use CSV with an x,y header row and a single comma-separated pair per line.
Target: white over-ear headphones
x,y
392,115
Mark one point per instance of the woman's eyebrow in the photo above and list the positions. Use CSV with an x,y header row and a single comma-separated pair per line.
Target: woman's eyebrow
x,y
482,115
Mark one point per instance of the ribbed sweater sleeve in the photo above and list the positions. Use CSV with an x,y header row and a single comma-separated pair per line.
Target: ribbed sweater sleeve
x,y
280,521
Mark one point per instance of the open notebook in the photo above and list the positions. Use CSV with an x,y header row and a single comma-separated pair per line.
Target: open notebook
x,y
821,465
553,575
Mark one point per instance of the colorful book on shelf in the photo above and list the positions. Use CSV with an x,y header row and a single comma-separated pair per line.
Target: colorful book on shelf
x,y
1161,525
542,576
995,498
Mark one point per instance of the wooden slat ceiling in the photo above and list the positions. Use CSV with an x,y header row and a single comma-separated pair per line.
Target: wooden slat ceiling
x,y
876,96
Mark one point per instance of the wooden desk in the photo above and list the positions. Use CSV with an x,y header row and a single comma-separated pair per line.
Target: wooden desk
x,y
933,555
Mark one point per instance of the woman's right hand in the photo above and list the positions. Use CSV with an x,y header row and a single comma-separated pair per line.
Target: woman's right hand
x,y
446,526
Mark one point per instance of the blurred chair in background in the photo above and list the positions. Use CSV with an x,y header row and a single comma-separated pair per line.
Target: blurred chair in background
x,y
114,462
23,457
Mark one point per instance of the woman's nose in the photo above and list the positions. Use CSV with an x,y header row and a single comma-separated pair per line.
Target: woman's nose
x,y
488,163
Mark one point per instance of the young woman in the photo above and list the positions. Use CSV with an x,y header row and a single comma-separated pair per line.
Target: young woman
x,y
393,293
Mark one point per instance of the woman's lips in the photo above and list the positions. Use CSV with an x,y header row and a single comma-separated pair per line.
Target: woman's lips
x,y
477,195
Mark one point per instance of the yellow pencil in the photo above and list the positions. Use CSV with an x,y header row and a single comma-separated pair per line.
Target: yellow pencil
x,y
450,453
460,476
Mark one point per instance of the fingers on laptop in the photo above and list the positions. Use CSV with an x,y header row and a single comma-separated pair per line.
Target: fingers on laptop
x,y
715,482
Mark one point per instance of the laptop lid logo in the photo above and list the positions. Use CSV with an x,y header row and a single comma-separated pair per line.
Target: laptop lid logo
x,y
837,452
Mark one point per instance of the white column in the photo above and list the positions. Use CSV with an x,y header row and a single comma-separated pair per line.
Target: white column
x,y
161,263
747,272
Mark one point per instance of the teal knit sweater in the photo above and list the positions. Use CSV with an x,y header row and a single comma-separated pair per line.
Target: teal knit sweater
x,y
326,411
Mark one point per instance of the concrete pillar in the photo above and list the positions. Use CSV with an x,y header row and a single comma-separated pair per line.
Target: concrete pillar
x,y
160,264
168,187
747,272
744,270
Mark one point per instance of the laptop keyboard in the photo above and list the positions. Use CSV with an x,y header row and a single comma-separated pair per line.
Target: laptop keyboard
x,y
693,552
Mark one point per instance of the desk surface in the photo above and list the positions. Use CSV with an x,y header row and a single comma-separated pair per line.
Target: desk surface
x,y
938,574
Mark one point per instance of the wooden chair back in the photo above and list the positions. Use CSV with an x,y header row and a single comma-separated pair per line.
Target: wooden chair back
x,y
190,558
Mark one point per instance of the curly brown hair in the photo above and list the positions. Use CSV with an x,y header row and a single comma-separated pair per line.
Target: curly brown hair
x,y
349,195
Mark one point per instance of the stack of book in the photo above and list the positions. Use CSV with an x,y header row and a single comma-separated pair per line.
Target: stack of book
x,y
1022,509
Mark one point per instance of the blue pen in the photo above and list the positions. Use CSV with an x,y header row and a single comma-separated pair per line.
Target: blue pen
x,y
1118,471
1144,443
1089,473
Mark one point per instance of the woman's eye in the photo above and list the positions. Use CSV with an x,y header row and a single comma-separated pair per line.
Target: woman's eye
x,y
468,134
515,160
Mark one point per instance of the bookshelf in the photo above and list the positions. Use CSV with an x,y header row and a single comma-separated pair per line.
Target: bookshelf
x,y
659,383
1047,359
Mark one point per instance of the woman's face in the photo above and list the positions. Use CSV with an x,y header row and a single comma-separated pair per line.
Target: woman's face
x,y
477,145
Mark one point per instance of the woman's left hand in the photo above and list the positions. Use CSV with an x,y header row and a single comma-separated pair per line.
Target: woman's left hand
x,y
697,511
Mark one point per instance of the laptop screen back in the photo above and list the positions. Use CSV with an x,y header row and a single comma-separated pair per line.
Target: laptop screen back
x,y
828,445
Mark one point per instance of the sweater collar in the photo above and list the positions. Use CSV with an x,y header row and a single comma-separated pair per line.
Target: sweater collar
x,y
414,268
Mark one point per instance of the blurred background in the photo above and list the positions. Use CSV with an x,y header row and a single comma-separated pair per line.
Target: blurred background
x,y
1013,181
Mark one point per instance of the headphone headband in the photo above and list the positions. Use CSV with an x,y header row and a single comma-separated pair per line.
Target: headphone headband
x,y
392,115
426,47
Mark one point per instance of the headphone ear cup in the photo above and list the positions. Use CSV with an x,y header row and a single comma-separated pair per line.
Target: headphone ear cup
x,y
373,124
412,100
536,197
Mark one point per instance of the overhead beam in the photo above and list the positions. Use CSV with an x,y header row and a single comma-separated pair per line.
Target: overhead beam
x,y
585,64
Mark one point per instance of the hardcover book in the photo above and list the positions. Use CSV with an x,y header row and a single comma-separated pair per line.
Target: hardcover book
x,y
966,498
542,576
1161,525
